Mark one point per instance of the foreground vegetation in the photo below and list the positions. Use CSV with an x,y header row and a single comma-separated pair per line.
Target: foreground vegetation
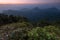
x,y
21,29
26,31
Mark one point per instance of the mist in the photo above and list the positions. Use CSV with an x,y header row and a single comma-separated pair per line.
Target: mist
x,y
29,6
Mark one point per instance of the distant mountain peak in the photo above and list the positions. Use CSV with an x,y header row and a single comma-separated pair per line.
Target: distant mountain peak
x,y
36,8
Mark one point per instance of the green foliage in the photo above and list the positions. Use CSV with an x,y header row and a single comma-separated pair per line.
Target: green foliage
x,y
21,29
18,35
46,33
6,19
38,33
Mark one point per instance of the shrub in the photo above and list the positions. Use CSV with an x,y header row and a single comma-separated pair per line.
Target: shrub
x,y
46,33
38,33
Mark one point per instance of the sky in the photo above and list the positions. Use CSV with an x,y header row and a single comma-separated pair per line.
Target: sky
x,y
28,1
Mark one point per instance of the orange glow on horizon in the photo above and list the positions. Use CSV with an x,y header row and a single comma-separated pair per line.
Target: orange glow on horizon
x,y
27,1
23,3
20,2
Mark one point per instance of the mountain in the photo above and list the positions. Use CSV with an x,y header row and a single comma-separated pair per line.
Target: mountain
x,y
36,13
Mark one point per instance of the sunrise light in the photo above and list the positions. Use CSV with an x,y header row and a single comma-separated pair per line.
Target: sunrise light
x,y
27,1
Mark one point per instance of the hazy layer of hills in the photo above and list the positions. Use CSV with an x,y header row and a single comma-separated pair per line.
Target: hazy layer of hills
x,y
36,13
21,6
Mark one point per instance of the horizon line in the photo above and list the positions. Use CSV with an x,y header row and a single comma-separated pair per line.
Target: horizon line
x,y
26,3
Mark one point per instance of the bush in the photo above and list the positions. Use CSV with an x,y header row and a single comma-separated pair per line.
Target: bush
x,y
46,33
38,33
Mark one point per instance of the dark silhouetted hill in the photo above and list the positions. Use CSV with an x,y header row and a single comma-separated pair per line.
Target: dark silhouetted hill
x,y
36,13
